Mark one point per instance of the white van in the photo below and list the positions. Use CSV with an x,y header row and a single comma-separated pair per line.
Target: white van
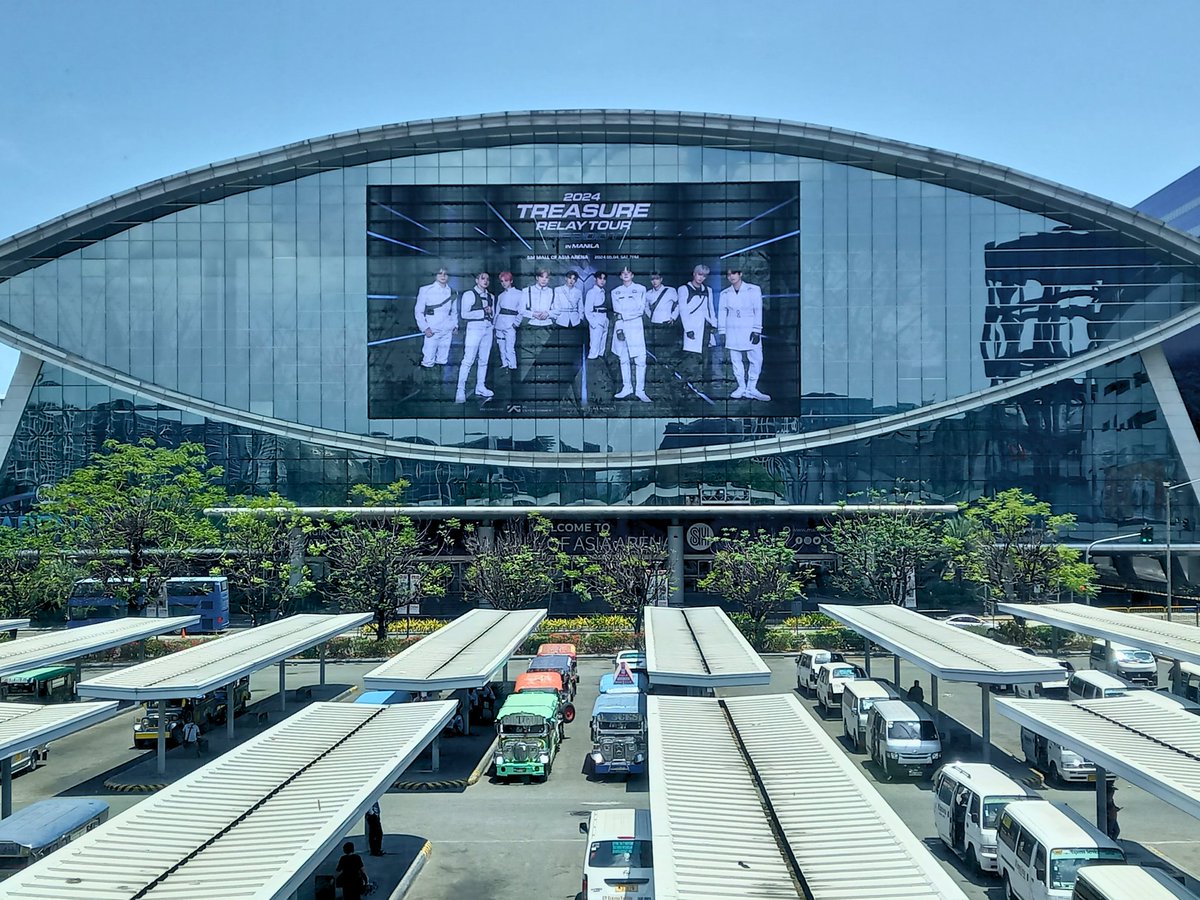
x,y
831,680
1057,763
967,800
858,697
1123,882
1043,845
619,858
806,667
1130,663
1088,684
902,738
1052,689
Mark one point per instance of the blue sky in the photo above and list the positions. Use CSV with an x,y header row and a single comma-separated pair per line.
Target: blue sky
x,y
98,97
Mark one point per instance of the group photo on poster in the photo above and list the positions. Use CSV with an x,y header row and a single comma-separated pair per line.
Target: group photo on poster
x,y
556,301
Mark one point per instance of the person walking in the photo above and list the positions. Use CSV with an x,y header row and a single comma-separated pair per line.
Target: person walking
x,y
351,875
191,736
374,830
1111,810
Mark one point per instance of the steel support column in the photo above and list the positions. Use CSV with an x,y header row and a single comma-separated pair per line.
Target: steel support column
x,y
323,646
161,740
1102,799
986,718
230,707
6,787
675,564
896,672
283,685
867,656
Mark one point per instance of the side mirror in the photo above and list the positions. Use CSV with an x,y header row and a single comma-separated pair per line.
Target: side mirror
x,y
974,818
1040,874
583,828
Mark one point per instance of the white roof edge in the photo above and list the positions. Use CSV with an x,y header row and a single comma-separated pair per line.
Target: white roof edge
x,y
46,649
1183,644
53,722
728,646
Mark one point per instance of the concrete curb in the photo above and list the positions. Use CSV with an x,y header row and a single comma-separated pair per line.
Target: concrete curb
x,y
456,784
1035,779
484,763
410,877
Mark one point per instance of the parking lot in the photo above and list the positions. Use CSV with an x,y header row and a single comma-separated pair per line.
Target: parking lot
x,y
510,840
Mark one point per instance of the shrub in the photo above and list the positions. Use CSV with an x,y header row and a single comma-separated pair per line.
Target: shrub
x,y
809,620
836,639
782,640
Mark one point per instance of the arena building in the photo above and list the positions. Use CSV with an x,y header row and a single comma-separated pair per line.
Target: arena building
x,y
424,301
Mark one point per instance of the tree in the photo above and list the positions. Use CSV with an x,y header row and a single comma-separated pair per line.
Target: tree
x,y
516,566
380,565
758,571
34,576
625,573
264,556
879,552
133,515
1011,546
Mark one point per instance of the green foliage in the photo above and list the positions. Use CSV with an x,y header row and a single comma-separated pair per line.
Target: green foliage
x,y
626,574
758,571
514,566
264,557
1010,546
133,513
380,564
609,622
808,620
34,576
880,552
844,639
1040,637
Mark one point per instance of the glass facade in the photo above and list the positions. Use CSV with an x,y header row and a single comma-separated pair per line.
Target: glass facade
x,y
909,293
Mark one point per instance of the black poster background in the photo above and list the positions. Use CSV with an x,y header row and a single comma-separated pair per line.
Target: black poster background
x,y
414,230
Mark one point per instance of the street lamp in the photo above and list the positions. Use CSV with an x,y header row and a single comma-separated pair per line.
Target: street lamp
x,y
1088,552
1172,487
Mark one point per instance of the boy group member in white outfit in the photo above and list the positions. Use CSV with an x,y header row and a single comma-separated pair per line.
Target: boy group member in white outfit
x,y
595,306
629,337
508,316
697,317
436,313
663,303
739,319
478,307
537,325
568,303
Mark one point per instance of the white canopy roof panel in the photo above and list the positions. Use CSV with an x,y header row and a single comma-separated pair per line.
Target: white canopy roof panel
x,y
717,837
25,725
52,647
464,654
221,661
950,653
1155,746
253,823
699,647
1173,640
13,624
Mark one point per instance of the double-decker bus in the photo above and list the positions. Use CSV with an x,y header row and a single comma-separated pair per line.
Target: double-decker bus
x,y
93,600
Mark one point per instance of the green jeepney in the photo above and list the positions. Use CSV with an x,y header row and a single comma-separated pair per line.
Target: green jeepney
x,y
529,736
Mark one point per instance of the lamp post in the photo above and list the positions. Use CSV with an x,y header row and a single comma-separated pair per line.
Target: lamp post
x,y
1087,553
1172,487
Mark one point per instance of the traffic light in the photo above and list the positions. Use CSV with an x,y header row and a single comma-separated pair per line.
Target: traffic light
x,y
1148,534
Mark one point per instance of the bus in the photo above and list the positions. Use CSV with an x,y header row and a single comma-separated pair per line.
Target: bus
x,y
93,600
49,684
43,827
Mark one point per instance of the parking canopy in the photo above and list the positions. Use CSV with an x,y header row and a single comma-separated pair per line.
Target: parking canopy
x,y
699,647
13,624
464,654
256,822
51,647
750,798
1172,640
1155,746
221,661
951,653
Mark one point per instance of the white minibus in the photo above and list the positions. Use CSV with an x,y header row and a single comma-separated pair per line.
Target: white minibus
x,y
902,738
1089,684
967,801
1123,882
858,697
831,680
1043,845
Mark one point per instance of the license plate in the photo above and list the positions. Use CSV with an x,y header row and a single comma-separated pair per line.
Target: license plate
x,y
1092,777
625,888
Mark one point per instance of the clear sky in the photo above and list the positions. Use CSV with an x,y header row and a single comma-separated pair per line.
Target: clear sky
x,y
98,97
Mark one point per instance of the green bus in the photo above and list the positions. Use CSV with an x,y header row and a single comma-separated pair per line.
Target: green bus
x,y
49,684
529,736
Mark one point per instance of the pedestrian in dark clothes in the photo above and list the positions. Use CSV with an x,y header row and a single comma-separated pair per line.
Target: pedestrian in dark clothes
x,y
351,876
374,830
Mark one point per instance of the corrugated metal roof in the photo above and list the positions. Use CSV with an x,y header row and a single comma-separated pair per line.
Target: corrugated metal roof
x,y
1174,640
464,654
748,796
25,725
213,664
1151,745
13,624
699,647
69,643
952,654
253,823
1134,881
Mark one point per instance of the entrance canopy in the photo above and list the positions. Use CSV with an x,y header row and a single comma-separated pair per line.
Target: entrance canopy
x,y
221,661
750,798
51,647
1155,746
953,654
699,647
1172,640
256,822
464,654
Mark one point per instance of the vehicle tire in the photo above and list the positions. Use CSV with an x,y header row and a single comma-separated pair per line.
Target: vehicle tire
x,y
1008,891
1054,778
569,713
973,860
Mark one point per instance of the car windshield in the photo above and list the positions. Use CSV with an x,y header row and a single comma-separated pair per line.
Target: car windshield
x,y
1138,656
846,672
912,731
1065,864
993,805
1114,692
509,728
620,854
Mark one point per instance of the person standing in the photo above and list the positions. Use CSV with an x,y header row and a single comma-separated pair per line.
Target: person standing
x,y
351,875
629,336
537,324
509,304
663,303
478,307
916,693
697,317
437,317
739,319
595,310
568,302
374,830
191,736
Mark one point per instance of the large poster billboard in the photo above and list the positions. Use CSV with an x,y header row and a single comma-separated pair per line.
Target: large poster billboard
x,y
561,301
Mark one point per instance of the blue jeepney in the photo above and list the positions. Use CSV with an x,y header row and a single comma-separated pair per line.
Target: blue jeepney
x,y
619,733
